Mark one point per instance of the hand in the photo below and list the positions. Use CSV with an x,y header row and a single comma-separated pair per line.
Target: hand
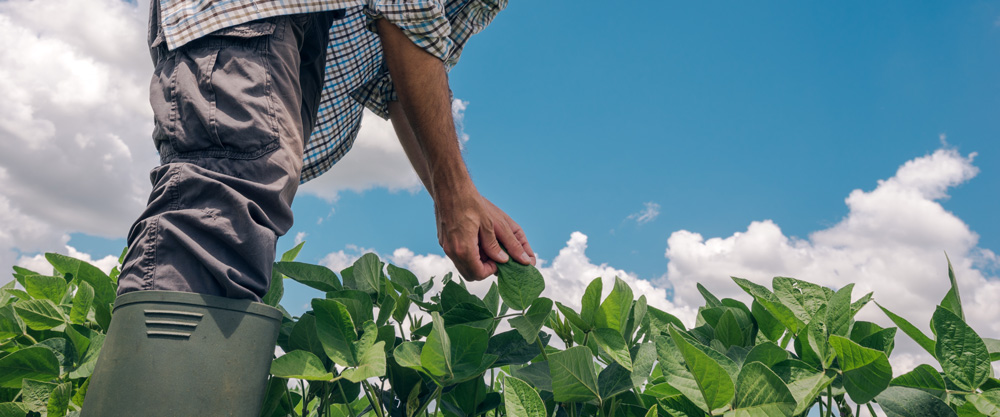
x,y
471,231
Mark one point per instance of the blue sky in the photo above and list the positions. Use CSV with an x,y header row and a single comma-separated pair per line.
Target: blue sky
x,y
731,118
580,115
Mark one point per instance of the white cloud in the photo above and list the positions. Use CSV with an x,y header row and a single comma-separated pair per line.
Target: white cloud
x,y
892,242
75,126
649,213
39,264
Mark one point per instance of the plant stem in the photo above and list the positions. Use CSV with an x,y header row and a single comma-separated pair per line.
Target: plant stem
x,y
871,410
586,336
376,405
857,411
829,401
305,398
350,409
538,341
32,339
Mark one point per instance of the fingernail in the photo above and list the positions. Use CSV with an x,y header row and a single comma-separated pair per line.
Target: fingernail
x,y
504,257
525,258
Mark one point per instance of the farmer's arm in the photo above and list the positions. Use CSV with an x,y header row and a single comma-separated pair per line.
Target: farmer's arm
x,y
469,226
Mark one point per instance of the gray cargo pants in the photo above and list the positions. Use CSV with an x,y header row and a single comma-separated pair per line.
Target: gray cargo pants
x,y
232,111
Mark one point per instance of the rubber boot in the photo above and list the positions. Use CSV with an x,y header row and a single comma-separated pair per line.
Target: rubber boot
x,y
182,354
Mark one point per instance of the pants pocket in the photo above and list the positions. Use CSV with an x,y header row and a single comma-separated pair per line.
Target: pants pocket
x,y
222,104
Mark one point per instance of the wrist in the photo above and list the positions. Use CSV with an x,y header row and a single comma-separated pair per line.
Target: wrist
x,y
451,182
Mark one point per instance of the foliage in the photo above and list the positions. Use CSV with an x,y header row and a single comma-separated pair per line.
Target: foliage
x,y
378,342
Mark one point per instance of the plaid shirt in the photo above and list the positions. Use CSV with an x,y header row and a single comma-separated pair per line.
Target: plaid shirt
x,y
356,76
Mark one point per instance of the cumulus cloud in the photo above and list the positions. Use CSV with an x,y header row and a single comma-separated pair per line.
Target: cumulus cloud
x,y
74,121
892,242
39,264
649,213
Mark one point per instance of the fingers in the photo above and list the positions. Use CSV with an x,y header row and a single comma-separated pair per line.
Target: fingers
x,y
509,240
489,244
471,262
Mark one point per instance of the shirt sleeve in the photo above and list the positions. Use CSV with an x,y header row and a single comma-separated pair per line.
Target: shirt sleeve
x,y
440,27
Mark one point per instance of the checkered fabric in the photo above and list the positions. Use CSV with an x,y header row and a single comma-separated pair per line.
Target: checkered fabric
x,y
356,76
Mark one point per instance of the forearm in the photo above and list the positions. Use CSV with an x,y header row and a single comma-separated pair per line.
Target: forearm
x,y
422,86
410,145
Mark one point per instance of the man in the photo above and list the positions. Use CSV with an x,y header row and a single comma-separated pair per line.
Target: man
x,y
233,110
237,90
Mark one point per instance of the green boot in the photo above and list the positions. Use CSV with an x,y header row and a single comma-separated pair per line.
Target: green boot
x,y
181,354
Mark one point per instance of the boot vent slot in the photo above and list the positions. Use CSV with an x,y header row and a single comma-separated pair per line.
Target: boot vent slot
x,y
175,313
171,323
160,333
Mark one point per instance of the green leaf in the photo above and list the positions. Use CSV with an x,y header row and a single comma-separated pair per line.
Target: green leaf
x,y
804,382
82,301
275,289
838,311
767,325
45,287
521,400
371,364
58,402
313,276
770,303
713,380
574,317
12,410
987,402
335,331
660,321
923,377
710,299
511,348
676,373
759,387
40,314
468,355
883,340
367,274
652,412
728,330
532,320
961,352
35,362
403,277
358,303
519,285
613,380
573,375
910,330
643,358
908,402
861,302
993,346
408,354
35,394
615,309
292,253
614,345
866,371
89,360
492,299
952,300
10,324
305,337
300,364
804,299
591,304
77,338
454,294
436,354
767,353
537,374
72,268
